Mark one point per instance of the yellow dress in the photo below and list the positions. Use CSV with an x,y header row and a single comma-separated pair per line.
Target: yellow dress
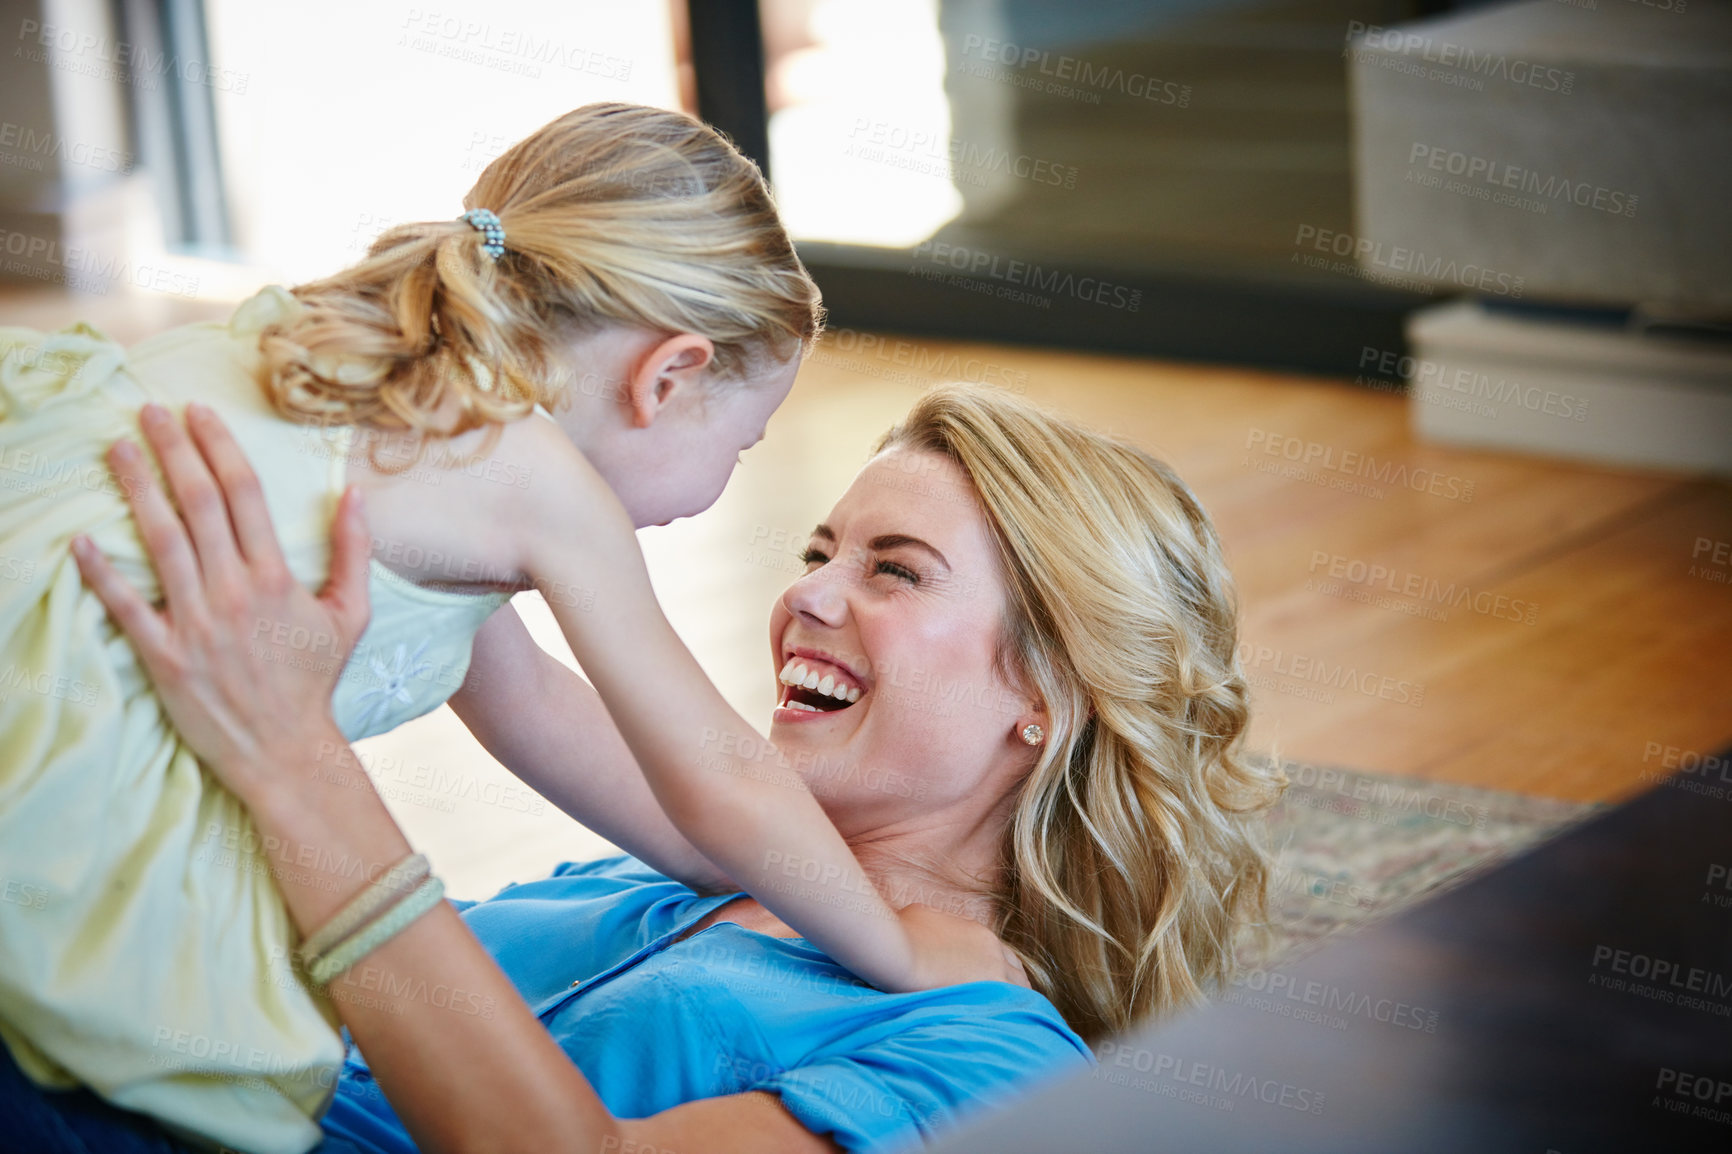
x,y
144,948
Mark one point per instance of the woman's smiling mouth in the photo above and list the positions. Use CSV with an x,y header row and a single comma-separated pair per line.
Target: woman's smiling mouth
x,y
811,687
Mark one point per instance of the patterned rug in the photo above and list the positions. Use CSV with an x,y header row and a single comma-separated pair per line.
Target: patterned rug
x,y
1351,847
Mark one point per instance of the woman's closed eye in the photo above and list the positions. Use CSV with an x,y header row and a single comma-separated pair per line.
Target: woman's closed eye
x,y
890,567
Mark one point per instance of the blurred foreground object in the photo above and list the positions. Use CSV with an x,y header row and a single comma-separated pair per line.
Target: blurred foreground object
x,y
1578,999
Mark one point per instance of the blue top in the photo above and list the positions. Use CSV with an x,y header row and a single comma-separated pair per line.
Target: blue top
x,y
653,1023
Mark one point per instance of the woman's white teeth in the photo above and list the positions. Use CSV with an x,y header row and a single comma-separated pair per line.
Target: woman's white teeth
x,y
796,673
801,705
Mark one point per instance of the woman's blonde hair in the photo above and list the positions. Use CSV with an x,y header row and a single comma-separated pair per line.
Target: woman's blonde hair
x,y
1132,859
612,213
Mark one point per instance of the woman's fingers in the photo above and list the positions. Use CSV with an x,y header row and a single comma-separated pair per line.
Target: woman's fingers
x,y
241,491
143,624
345,591
195,490
228,696
160,526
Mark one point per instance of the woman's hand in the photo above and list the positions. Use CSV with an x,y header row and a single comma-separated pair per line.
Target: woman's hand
x,y
244,658
949,950
258,712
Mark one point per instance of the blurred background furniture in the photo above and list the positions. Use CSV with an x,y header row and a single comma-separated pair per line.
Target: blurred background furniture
x,y
1568,165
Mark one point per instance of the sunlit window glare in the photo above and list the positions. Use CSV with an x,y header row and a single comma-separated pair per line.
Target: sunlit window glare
x,y
860,145
410,105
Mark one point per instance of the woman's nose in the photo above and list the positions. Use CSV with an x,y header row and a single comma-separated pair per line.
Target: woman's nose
x,y
822,594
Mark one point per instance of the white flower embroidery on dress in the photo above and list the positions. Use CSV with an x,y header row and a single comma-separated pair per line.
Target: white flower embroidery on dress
x,y
393,682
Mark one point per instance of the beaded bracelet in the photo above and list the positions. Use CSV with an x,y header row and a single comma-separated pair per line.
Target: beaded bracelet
x,y
399,880
353,949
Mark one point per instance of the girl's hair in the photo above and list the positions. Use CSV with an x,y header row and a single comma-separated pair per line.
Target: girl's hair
x,y
1132,860
612,213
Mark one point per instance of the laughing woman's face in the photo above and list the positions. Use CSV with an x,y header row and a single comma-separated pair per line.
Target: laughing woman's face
x,y
899,717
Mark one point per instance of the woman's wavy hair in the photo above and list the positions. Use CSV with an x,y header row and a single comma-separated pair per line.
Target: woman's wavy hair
x,y
1133,858
612,213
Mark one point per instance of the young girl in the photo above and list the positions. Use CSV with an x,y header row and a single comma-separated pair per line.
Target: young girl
x,y
514,391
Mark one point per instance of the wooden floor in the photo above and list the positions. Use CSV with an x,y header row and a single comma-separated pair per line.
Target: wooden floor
x,y
1625,665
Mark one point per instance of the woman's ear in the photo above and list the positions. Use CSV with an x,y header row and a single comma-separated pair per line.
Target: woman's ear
x,y
663,371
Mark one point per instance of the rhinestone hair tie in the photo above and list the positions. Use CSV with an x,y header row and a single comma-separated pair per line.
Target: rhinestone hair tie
x,y
487,224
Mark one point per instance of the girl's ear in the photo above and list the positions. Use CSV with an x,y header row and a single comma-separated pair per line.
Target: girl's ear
x,y
663,371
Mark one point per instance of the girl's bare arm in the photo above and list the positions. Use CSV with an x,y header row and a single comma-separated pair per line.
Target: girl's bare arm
x,y
726,789
536,512
548,726
439,524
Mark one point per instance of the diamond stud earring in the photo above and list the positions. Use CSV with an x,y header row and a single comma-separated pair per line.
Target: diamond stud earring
x,y
1033,734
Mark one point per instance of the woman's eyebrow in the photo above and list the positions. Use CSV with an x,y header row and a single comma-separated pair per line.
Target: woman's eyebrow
x,y
892,540
884,541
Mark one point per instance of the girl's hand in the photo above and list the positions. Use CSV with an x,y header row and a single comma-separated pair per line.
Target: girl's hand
x,y
223,653
949,950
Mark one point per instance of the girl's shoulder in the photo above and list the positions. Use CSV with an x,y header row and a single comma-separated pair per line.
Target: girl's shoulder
x,y
459,512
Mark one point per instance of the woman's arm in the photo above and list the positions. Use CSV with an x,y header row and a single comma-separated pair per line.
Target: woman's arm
x,y
548,726
460,1082
750,1123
